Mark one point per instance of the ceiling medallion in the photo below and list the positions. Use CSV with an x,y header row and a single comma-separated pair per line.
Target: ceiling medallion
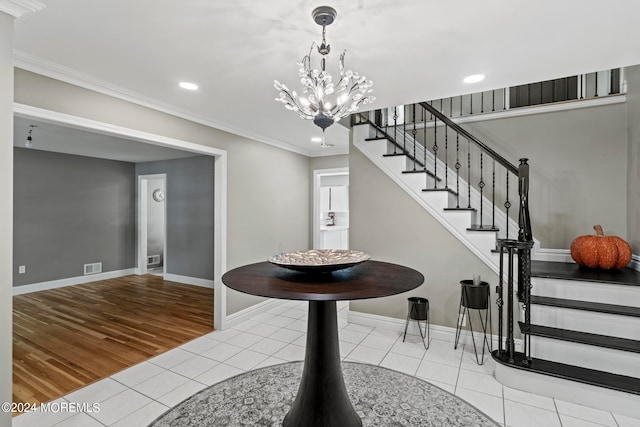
x,y
323,101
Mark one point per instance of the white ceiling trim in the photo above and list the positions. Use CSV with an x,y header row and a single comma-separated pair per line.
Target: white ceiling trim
x,y
20,8
55,71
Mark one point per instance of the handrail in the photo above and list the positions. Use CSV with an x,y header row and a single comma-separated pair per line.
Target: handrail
x,y
453,125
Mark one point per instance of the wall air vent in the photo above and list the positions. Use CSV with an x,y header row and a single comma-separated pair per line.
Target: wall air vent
x,y
93,268
153,259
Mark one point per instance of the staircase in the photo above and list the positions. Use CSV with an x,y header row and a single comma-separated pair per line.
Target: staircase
x,y
585,338
581,328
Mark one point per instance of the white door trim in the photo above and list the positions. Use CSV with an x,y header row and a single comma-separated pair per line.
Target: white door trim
x,y
220,184
141,240
317,174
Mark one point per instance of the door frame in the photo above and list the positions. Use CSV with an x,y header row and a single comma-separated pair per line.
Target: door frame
x,y
220,184
317,175
141,240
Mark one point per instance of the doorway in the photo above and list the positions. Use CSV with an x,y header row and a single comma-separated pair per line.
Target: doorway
x,y
331,208
152,224
220,183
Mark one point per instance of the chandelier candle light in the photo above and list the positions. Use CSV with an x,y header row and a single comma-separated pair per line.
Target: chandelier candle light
x,y
323,102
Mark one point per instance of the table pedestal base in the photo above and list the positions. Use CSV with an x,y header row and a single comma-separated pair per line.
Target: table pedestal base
x,y
322,399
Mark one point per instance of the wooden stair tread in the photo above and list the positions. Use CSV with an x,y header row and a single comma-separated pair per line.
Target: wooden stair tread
x,y
477,227
605,341
428,172
586,306
572,271
450,190
593,377
461,209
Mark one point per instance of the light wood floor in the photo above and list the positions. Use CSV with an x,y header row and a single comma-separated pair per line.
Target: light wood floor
x,y
66,338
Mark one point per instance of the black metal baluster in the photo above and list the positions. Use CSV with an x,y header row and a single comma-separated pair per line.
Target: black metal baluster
x,y
553,91
482,102
493,196
413,132
471,104
446,156
499,300
469,174
504,98
424,151
580,86
493,100
404,130
460,105
596,73
435,152
481,185
541,88
457,170
450,107
507,205
395,129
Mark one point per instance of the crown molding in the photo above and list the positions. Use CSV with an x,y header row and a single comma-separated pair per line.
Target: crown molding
x,y
20,8
55,71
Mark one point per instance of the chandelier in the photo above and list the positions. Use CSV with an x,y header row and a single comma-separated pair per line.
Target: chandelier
x,y
323,101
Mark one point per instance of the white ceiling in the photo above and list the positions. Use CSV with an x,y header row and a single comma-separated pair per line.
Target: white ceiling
x,y
413,50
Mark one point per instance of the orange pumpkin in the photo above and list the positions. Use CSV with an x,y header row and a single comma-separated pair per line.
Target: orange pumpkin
x,y
601,251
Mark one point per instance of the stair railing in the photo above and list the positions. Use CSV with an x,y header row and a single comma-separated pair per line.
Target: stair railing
x,y
478,178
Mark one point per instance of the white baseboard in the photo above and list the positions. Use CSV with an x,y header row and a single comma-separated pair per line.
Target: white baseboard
x,y
443,333
60,283
553,255
250,312
195,281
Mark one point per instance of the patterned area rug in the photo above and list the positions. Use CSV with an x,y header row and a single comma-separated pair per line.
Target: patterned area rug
x,y
381,397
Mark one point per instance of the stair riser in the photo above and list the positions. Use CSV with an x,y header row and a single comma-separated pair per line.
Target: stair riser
x,y
587,291
587,321
378,147
587,356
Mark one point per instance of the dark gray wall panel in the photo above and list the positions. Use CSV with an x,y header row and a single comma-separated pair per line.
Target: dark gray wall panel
x,y
69,211
189,199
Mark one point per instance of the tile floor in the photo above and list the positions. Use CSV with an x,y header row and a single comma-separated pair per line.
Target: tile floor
x,y
138,395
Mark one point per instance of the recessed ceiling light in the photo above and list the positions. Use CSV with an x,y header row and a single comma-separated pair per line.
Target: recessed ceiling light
x,y
316,139
474,78
188,86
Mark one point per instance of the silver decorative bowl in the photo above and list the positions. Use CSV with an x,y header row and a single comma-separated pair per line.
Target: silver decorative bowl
x,y
319,260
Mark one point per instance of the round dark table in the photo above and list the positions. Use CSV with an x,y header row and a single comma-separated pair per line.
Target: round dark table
x,y
322,399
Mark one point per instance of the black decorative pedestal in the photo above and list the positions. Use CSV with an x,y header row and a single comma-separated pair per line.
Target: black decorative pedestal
x,y
322,399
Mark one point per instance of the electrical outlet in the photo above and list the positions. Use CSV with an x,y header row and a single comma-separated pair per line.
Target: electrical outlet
x,y
462,319
22,269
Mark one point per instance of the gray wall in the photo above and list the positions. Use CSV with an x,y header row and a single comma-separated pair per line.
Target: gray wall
x,y
632,75
261,221
69,211
417,241
189,200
